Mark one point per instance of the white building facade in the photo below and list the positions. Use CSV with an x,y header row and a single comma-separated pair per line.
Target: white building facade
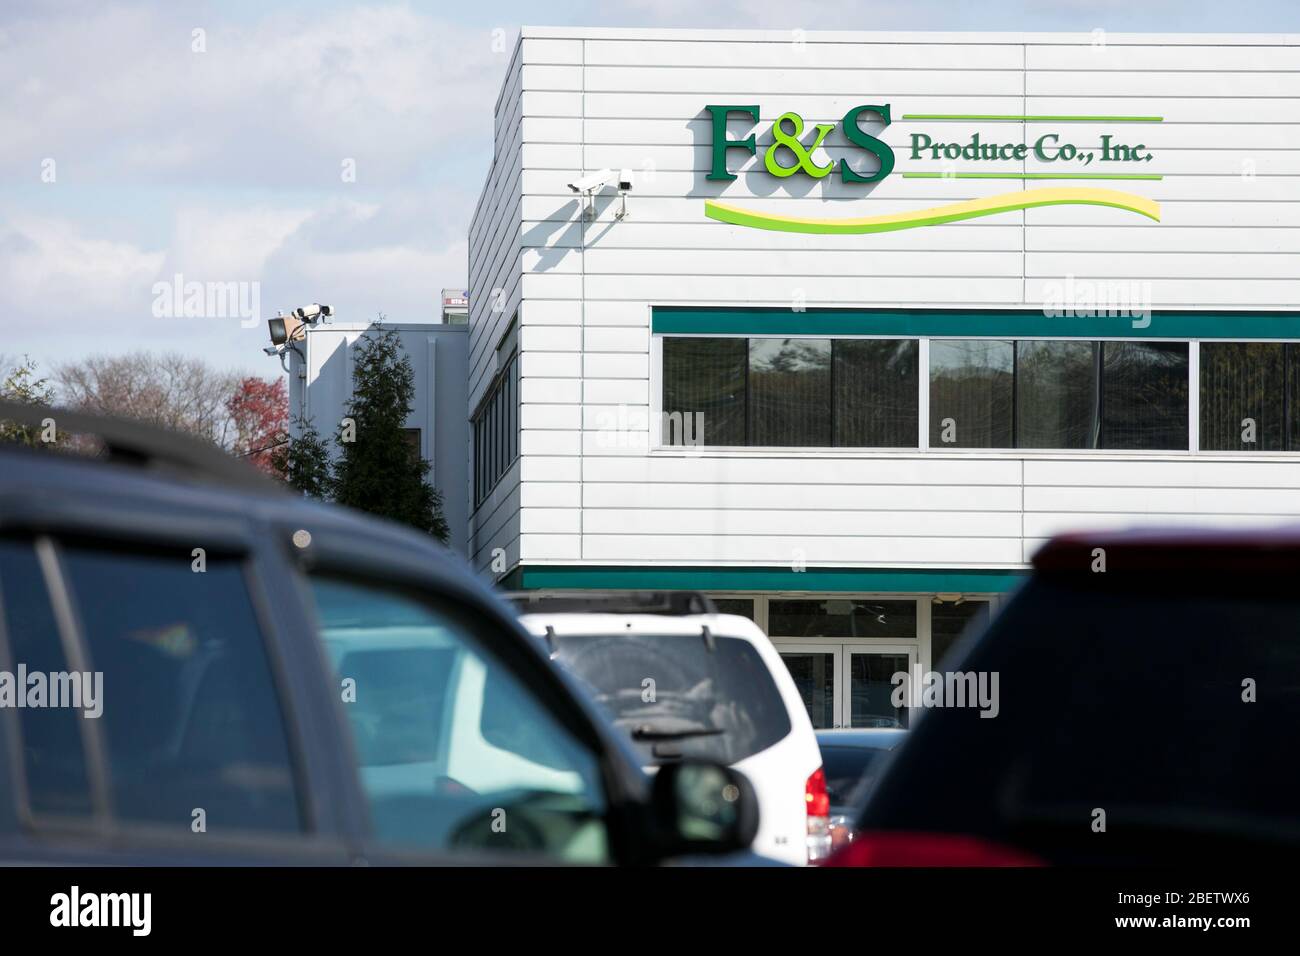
x,y
880,314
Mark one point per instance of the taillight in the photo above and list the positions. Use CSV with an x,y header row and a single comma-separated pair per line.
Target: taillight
x,y
884,848
818,804
814,792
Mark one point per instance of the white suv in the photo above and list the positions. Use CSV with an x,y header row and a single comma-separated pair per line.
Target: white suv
x,y
701,685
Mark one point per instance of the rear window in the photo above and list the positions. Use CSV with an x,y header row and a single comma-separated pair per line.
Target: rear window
x,y
847,770
1166,703
677,697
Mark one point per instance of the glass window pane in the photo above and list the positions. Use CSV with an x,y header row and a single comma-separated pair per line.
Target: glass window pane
x,y
1056,394
1292,391
52,752
704,391
1144,395
871,690
742,606
197,721
448,738
841,617
814,675
1242,396
790,392
714,702
948,621
875,393
970,393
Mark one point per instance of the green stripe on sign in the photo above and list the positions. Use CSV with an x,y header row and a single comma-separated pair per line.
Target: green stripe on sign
x,y
770,579
1033,176
1010,118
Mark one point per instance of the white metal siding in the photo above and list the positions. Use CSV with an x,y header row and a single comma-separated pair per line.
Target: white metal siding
x,y
579,100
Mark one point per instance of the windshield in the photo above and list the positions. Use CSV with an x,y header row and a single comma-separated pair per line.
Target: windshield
x,y
678,698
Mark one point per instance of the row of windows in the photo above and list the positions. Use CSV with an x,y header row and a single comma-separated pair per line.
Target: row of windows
x,y
1032,394
496,431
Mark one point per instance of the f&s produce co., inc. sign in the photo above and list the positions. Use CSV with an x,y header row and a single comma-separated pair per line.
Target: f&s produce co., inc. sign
x,y
792,149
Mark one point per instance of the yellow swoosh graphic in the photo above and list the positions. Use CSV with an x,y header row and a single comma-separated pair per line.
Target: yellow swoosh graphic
x,y
937,215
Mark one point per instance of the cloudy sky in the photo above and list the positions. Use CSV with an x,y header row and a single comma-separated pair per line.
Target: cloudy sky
x,y
128,157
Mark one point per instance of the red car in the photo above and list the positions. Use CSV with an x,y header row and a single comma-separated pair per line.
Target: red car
x,y
1148,688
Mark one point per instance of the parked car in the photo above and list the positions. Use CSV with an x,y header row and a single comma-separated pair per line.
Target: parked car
x,y
1148,692
297,682
851,758
685,683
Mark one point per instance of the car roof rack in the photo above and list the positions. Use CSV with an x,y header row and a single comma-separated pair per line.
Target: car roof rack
x,y
671,603
147,446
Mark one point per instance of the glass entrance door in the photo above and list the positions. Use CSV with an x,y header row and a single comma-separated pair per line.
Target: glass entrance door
x,y
848,685
816,672
868,689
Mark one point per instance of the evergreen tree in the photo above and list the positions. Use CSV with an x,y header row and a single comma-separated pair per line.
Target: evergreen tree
x,y
305,462
378,471
21,386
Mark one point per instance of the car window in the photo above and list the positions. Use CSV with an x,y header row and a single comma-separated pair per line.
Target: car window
x,y
53,759
846,769
192,722
456,752
677,696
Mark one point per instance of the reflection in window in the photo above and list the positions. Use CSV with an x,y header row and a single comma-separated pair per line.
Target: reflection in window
x,y
741,606
840,617
970,393
1056,394
949,621
814,676
871,690
875,393
201,724
448,738
1244,396
53,758
704,391
1144,395
789,389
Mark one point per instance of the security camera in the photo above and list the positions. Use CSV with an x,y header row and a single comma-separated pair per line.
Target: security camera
x,y
625,180
314,312
271,350
597,180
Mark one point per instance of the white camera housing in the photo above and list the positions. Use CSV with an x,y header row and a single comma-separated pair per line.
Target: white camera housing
x,y
597,180
313,312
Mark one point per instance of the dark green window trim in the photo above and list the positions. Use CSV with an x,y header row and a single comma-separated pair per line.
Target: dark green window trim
x,y
965,323
668,578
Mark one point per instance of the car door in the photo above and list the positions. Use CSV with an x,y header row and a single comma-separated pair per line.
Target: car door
x,y
466,748
154,724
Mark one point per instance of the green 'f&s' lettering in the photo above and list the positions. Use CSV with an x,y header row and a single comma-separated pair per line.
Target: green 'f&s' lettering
x,y
787,133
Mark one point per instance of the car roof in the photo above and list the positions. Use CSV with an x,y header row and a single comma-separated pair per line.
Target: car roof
x,y
1175,548
49,491
42,487
662,625
864,738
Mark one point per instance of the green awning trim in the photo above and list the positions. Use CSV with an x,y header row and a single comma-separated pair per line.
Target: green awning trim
x,y
959,323
648,578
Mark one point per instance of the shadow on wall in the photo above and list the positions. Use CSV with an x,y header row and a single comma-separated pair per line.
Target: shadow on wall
x,y
556,237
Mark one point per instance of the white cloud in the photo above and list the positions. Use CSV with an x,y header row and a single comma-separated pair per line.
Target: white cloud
x,y
279,102
51,267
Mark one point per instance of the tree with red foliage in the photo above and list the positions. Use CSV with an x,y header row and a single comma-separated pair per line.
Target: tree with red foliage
x,y
259,411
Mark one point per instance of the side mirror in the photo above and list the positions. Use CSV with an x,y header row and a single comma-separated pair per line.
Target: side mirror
x,y
703,808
